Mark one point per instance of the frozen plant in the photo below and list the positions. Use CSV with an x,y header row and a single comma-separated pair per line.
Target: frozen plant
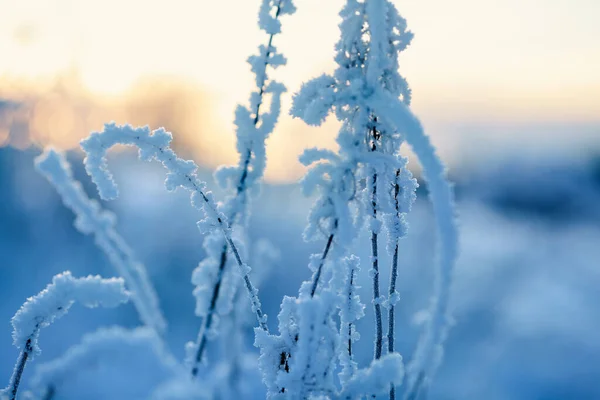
x,y
155,145
403,187
216,283
371,100
299,362
91,219
234,374
429,352
365,187
51,303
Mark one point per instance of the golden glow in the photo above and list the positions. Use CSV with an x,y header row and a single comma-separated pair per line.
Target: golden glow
x,y
73,65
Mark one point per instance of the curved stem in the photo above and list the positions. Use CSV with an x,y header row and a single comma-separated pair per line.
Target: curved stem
x,y
427,357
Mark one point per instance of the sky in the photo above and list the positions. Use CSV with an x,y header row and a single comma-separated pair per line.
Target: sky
x,y
523,75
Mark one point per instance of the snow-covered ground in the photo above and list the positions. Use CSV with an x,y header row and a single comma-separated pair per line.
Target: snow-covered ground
x,y
526,289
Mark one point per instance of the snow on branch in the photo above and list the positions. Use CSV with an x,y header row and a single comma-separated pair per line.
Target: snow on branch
x,y
312,361
270,10
215,283
403,188
299,362
429,352
155,145
55,300
91,219
367,147
370,98
351,310
376,378
52,303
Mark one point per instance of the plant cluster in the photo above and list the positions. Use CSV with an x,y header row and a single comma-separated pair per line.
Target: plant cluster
x,y
364,186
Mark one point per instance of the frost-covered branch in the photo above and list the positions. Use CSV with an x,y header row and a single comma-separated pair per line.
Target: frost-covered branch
x,y
334,177
91,219
351,310
236,375
366,146
52,303
404,187
371,99
319,269
312,361
155,145
299,362
375,379
374,272
429,352
210,274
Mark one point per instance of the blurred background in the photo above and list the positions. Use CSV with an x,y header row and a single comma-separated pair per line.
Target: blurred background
x,y
508,90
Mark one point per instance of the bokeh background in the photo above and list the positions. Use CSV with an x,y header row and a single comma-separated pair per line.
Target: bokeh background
x,y
508,90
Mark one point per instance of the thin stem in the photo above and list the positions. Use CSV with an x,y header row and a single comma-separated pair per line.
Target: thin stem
x,y
252,292
264,76
15,379
207,322
256,306
391,313
242,184
377,306
241,189
375,255
392,291
317,274
350,323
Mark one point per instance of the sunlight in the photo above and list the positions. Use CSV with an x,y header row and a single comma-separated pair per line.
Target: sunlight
x,y
502,73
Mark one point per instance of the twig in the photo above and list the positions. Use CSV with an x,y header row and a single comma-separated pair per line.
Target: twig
x,y
375,256
319,270
392,291
155,145
378,322
350,323
374,252
207,322
241,190
15,379
224,227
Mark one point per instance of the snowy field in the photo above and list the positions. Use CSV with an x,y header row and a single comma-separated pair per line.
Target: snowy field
x,y
525,293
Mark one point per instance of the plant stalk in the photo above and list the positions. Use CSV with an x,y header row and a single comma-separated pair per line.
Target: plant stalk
x,y
15,379
393,278
241,189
